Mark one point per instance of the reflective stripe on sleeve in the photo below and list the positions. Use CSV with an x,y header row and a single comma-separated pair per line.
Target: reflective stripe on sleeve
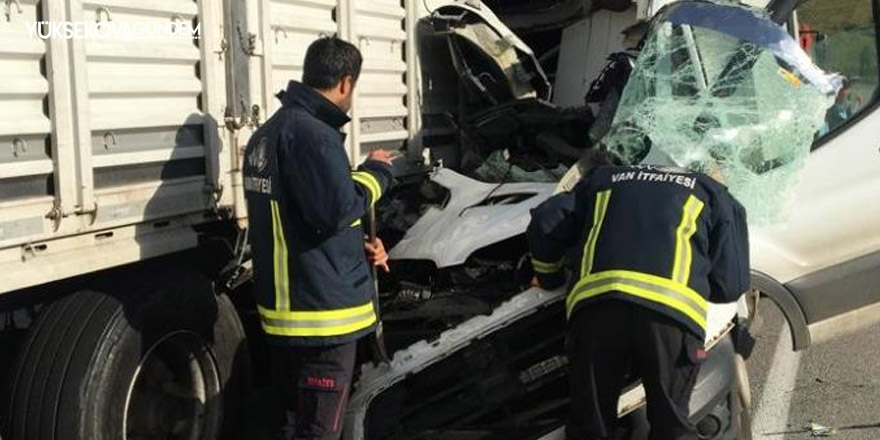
x,y
645,286
279,260
598,217
368,181
317,323
681,269
547,268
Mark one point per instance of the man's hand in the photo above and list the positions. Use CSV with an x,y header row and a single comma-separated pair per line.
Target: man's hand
x,y
381,155
535,283
376,254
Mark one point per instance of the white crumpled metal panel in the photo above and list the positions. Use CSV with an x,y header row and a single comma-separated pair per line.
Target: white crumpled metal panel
x,y
469,222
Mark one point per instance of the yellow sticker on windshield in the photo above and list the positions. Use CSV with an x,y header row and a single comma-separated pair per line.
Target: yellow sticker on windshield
x,y
790,77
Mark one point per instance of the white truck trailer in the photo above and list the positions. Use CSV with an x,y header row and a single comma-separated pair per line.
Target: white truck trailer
x,y
121,202
121,149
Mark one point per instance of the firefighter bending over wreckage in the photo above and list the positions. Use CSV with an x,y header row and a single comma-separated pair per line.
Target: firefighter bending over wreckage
x,y
651,245
313,283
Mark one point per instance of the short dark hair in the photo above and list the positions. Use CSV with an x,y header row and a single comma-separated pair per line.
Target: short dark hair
x,y
328,60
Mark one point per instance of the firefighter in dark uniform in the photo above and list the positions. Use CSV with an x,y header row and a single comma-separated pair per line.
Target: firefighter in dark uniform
x,y
650,248
311,263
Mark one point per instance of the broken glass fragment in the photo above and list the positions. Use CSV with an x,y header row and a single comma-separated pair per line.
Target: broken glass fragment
x,y
720,89
817,430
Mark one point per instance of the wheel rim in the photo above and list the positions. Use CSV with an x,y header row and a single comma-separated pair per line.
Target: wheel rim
x,y
175,392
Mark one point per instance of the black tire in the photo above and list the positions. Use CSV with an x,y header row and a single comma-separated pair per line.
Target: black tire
x,y
166,356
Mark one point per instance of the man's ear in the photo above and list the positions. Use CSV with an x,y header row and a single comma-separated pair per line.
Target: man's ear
x,y
346,84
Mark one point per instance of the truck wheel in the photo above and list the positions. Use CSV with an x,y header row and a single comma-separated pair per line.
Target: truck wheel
x,y
166,359
741,404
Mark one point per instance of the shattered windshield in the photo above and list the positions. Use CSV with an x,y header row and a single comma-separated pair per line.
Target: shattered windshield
x,y
723,90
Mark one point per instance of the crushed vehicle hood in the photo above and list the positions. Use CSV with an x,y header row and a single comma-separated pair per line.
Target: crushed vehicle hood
x,y
378,379
486,53
477,215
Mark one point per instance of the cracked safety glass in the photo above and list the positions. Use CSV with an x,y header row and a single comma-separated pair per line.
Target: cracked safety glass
x,y
723,90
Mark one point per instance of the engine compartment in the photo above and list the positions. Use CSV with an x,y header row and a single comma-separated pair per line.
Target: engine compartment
x,y
418,299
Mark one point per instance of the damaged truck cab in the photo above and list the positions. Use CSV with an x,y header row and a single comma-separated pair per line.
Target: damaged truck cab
x,y
487,358
479,354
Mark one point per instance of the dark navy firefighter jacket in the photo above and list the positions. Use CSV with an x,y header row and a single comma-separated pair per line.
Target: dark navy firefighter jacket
x,y
313,282
666,239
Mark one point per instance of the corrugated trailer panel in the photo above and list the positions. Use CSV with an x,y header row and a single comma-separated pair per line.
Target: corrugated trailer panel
x,y
110,133
145,120
289,27
25,127
106,135
28,183
378,28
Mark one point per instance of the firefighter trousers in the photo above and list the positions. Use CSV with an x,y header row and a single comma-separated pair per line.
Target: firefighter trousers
x,y
613,342
315,382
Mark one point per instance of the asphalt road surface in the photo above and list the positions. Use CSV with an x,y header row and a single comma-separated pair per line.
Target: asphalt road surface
x,y
835,384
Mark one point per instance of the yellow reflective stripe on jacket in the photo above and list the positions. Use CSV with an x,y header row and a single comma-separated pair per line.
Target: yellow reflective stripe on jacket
x,y
317,323
681,269
279,260
368,181
653,288
544,267
598,217
356,223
